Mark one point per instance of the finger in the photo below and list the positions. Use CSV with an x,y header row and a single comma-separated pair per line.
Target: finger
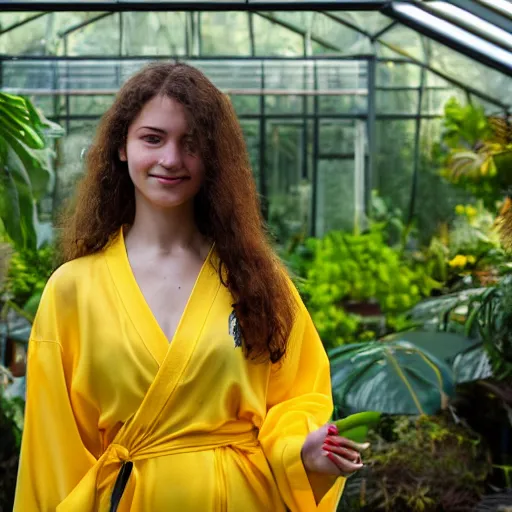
x,y
343,441
346,467
346,453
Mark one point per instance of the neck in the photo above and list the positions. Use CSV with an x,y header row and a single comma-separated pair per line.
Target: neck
x,y
164,230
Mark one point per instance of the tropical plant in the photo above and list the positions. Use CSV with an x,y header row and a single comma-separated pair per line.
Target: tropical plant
x,y
393,377
424,464
476,152
25,169
349,268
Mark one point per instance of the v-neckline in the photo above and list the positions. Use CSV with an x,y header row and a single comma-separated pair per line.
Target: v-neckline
x,y
138,309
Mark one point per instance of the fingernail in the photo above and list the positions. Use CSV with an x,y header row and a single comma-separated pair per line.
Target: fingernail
x,y
331,442
332,430
326,447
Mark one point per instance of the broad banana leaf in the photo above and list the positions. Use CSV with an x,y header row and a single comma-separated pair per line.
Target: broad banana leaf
x,y
25,167
393,378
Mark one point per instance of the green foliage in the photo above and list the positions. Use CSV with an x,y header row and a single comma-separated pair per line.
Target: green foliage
x,y
25,168
473,154
363,268
28,273
11,427
491,315
424,464
385,377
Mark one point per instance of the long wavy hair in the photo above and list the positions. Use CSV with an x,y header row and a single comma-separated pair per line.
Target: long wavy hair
x,y
227,209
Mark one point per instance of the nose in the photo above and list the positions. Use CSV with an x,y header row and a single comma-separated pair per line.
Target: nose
x,y
170,156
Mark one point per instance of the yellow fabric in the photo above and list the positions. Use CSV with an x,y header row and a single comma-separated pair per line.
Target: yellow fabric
x,y
206,429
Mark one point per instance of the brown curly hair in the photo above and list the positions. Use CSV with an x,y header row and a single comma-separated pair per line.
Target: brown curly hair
x,y
227,208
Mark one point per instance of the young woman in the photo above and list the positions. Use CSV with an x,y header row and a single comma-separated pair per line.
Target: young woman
x,y
172,365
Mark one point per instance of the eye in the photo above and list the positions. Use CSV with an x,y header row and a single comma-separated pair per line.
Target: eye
x,y
152,139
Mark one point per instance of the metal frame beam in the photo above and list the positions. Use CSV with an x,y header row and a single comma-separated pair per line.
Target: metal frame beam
x,y
21,23
391,11
241,5
484,13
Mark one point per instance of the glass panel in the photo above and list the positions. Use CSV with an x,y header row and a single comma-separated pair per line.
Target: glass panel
x,y
225,33
251,130
89,105
335,195
154,33
272,39
405,41
288,196
397,102
283,104
41,36
342,104
70,150
98,38
347,41
466,70
396,74
245,104
434,100
336,137
394,161
8,19
370,22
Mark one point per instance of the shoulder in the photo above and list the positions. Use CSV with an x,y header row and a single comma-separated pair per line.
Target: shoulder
x,y
61,296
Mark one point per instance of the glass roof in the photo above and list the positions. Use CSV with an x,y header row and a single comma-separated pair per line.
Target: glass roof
x,y
466,43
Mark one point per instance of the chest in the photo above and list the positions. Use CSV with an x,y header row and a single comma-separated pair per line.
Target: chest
x,y
167,286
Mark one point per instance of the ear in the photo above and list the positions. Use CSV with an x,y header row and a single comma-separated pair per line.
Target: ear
x,y
122,154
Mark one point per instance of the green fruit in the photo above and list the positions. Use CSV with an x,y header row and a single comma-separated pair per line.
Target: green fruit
x,y
355,426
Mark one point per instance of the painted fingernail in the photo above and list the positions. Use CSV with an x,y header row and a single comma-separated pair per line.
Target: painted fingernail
x,y
332,458
331,442
332,430
327,447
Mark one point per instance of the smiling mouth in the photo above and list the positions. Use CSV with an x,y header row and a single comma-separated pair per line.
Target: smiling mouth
x,y
170,179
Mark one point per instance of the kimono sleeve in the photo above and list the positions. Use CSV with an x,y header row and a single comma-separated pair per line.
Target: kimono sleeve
x,y
53,457
299,400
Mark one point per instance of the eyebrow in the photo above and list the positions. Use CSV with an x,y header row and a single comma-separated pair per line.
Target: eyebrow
x,y
152,128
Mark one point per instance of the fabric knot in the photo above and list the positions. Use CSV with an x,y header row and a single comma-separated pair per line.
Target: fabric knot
x,y
119,452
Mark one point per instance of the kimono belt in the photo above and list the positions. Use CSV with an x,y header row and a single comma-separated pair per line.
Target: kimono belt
x,y
102,487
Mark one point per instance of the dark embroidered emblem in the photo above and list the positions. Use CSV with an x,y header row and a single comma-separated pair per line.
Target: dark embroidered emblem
x,y
234,329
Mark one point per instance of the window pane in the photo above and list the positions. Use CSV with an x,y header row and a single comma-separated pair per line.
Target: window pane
x,y
154,33
225,33
272,39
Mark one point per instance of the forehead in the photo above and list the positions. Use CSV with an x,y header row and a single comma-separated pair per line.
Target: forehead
x,y
163,113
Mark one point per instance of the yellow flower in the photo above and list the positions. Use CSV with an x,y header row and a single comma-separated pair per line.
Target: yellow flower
x,y
459,209
459,261
471,259
471,211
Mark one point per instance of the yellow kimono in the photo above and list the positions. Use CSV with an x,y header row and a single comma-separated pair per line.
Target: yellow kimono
x,y
205,429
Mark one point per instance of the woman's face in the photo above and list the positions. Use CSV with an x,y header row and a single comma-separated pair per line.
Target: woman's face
x,y
162,155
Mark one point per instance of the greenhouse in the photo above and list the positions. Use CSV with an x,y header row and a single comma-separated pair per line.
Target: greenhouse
x,y
380,137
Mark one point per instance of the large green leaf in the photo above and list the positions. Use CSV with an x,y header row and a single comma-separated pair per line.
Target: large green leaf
x,y
393,378
37,165
25,168
472,364
16,120
443,345
17,208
